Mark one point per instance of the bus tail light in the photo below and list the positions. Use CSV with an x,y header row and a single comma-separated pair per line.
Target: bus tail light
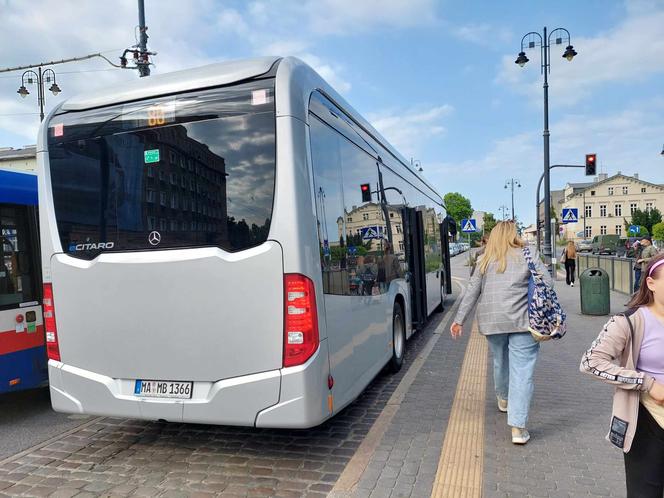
x,y
300,320
52,345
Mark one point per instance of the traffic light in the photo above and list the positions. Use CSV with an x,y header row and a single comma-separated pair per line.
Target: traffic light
x,y
366,192
591,164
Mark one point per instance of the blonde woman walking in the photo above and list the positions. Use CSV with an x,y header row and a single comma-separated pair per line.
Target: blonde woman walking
x,y
500,290
569,257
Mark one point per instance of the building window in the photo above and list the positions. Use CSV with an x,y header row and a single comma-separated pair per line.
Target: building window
x,y
162,175
625,190
349,219
391,215
162,224
602,210
365,216
174,179
589,211
643,190
174,201
618,229
632,208
649,207
588,232
610,190
602,230
172,156
150,172
401,245
592,192
618,209
152,223
150,196
162,199
398,228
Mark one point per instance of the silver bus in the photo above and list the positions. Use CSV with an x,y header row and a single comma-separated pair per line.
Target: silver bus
x,y
230,245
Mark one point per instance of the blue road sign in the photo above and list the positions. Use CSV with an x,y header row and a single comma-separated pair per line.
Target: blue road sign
x,y
570,215
468,225
369,233
634,229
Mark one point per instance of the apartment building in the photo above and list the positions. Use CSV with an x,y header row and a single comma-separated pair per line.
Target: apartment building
x,y
606,204
24,159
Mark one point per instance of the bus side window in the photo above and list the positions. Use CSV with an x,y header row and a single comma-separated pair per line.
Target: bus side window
x,y
329,207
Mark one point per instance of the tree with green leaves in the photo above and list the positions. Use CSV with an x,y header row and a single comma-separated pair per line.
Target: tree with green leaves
x,y
658,231
458,206
489,221
645,218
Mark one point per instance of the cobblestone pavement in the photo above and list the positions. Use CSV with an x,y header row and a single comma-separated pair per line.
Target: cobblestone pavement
x,y
406,460
567,455
113,457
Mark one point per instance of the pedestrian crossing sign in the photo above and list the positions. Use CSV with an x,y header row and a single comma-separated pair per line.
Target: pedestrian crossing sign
x,y
468,225
570,215
369,233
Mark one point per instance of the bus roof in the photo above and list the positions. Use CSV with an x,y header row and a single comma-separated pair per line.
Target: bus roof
x,y
18,187
211,75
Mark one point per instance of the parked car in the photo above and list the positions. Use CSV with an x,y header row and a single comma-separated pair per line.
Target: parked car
x,y
584,245
605,244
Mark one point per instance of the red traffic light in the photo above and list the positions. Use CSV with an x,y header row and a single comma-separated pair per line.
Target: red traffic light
x,y
366,192
591,164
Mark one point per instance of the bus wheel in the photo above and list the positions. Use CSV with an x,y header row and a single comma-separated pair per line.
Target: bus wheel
x,y
398,339
441,306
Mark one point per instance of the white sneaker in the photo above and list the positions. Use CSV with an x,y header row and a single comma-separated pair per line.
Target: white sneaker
x,y
520,436
502,404
572,284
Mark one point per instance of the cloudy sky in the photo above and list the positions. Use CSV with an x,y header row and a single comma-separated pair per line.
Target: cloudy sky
x,y
437,78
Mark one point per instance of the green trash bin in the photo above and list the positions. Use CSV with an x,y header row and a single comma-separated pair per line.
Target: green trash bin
x,y
595,297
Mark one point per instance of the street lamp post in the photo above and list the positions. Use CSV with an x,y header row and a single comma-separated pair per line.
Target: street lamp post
x,y
504,210
512,182
39,78
545,54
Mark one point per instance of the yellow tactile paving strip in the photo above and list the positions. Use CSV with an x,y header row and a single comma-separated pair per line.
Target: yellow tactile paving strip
x,y
461,460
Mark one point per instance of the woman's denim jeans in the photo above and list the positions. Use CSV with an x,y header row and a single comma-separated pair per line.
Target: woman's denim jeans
x,y
514,358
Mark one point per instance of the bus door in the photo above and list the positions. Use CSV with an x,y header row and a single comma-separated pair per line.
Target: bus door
x,y
446,280
22,344
414,236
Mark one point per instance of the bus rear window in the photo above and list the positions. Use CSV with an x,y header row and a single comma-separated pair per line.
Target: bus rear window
x,y
192,170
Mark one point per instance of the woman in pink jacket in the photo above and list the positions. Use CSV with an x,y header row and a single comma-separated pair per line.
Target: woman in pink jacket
x,y
629,353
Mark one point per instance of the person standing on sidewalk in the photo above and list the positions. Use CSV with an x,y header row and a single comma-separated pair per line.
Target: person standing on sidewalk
x,y
648,251
569,257
629,353
501,287
478,253
637,266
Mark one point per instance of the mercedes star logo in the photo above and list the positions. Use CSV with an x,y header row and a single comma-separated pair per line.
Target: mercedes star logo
x,y
154,238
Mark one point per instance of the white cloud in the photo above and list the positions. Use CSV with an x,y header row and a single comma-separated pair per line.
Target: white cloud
x,y
482,34
631,52
407,131
351,16
627,140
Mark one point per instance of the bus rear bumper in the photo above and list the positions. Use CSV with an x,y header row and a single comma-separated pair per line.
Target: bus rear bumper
x,y
303,401
233,401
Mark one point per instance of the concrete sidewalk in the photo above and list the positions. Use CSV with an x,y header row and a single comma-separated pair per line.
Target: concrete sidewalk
x,y
567,455
430,443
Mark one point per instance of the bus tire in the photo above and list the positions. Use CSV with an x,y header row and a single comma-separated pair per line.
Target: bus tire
x,y
441,306
398,338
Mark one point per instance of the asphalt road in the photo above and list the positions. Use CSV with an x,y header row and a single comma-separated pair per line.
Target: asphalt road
x,y
26,419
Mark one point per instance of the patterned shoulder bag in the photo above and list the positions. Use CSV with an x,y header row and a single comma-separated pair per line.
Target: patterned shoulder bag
x,y
547,319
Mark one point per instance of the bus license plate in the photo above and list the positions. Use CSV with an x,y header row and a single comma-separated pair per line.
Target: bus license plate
x,y
163,389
